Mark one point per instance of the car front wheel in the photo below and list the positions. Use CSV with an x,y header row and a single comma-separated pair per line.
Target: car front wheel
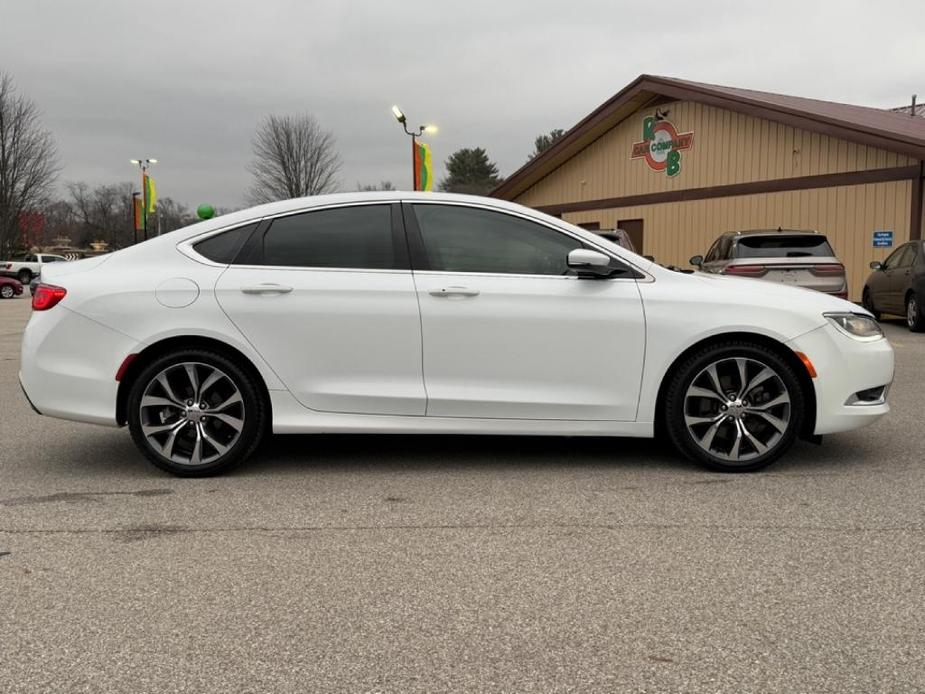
x,y
914,318
734,406
867,301
195,413
6,291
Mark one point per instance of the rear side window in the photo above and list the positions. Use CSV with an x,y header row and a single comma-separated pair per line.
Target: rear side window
x,y
357,237
222,248
783,246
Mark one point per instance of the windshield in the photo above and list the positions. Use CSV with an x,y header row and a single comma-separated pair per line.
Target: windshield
x,y
783,247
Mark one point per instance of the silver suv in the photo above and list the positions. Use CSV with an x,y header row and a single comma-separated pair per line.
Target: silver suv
x,y
788,256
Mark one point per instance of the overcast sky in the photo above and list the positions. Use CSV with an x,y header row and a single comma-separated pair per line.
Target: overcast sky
x,y
186,81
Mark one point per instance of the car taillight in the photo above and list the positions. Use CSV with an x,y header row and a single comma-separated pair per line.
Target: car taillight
x,y
828,269
746,270
46,296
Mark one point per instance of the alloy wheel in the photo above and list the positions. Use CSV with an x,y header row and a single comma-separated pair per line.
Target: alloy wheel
x,y
192,413
6,291
912,312
737,409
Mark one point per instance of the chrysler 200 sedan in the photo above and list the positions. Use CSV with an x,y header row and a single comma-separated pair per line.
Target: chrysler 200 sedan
x,y
437,313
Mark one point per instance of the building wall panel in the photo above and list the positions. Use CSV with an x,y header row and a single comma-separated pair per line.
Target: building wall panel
x,y
728,148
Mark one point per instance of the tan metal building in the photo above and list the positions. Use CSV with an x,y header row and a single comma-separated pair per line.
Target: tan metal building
x,y
677,163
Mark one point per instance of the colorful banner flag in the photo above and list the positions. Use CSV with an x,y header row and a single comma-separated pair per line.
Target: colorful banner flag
x,y
139,212
150,194
423,167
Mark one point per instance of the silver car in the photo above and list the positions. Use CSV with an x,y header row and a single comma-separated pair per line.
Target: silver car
x,y
788,256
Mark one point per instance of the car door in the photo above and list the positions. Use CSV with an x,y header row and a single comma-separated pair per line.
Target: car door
x,y
509,331
893,268
327,298
902,276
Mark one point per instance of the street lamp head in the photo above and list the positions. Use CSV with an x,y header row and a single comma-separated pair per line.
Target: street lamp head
x,y
430,129
399,116
152,161
135,161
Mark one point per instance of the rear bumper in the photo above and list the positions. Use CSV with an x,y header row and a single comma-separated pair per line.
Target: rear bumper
x,y
68,366
845,366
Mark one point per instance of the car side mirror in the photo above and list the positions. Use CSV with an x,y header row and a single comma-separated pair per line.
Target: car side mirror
x,y
876,265
696,260
589,263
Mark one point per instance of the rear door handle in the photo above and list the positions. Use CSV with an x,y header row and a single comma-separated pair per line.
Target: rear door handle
x,y
267,288
454,291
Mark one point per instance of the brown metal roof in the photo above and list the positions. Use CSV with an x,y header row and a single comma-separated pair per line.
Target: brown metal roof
x,y
881,128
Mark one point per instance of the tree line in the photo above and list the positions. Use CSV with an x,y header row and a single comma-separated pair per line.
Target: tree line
x,y
294,156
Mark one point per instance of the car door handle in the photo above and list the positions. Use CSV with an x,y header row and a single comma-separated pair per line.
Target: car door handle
x,y
454,291
267,288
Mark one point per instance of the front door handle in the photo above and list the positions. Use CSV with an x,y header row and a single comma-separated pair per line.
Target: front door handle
x,y
454,291
267,288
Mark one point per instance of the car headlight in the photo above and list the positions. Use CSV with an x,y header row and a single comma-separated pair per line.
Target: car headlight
x,y
857,326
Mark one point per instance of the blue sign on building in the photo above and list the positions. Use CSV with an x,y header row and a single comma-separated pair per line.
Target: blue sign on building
x,y
883,239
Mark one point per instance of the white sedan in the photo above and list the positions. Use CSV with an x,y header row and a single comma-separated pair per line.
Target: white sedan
x,y
433,313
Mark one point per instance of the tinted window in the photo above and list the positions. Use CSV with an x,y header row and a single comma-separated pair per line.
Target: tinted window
x,y
222,248
904,257
711,254
345,237
465,239
893,258
783,246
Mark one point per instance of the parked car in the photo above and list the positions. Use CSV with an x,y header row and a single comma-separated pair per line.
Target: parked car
x,y
28,266
897,285
788,256
436,313
619,237
9,288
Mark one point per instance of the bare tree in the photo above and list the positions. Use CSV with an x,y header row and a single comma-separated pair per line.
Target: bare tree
x,y
28,161
103,213
372,187
293,157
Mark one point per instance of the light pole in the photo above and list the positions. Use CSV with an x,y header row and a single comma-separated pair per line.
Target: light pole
x,y
143,164
429,129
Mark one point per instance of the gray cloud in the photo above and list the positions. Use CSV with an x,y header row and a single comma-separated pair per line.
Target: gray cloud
x,y
187,82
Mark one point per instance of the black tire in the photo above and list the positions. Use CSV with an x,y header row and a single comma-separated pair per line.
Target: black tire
x,y
253,412
915,321
7,292
24,276
867,301
694,368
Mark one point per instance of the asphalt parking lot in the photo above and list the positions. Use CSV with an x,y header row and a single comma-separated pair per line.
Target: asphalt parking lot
x,y
452,564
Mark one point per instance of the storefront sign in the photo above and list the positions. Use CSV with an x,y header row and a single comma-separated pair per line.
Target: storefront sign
x,y
661,145
883,239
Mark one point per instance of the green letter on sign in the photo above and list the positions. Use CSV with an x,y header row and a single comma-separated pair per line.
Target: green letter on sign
x,y
648,126
674,163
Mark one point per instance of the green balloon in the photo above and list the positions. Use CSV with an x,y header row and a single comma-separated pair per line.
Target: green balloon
x,y
205,211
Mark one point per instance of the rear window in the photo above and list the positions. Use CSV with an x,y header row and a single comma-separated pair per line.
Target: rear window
x,y
783,247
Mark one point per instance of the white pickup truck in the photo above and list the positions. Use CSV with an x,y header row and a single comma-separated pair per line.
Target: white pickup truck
x,y
29,266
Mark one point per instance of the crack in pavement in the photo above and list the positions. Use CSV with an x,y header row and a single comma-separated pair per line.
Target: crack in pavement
x,y
75,497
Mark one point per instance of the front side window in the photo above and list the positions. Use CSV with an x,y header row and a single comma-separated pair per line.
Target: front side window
x,y
467,239
345,237
894,258
907,258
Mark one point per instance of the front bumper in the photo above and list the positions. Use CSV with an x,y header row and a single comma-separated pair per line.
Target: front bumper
x,y
845,367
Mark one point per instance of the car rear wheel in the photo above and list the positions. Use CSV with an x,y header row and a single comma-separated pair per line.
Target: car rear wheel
x,y
914,318
6,291
24,276
867,301
734,407
195,413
